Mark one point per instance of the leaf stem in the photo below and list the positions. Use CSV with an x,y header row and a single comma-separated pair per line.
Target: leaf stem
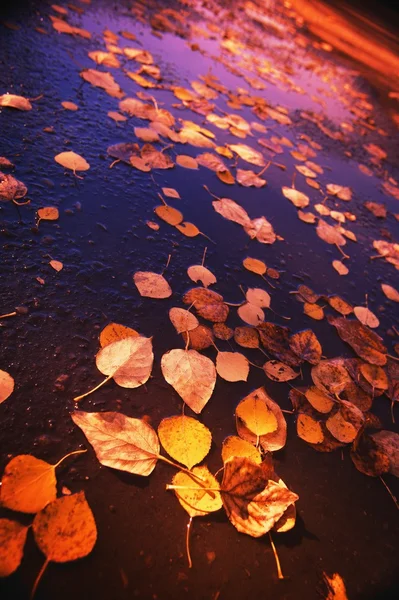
x,y
67,456
11,314
78,398
188,530
276,558
38,578
390,493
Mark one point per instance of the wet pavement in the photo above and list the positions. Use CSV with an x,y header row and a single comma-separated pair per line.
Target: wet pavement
x,y
347,523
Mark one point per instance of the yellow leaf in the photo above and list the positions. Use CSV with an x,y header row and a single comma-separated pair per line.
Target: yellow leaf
x,y
192,375
120,442
297,198
235,446
6,385
128,361
146,134
320,401
73,161
152,285
309,430
346,422
113,332
248,154
232,211
12,542
258,413
185,439
232,366
336,587
253,501
65,530
225,176
183,320
28,484
193,495
375,376
314,311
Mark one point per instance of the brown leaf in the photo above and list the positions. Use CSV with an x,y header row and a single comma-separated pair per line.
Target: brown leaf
x,y
208,304
306,345
275,339
247,337
199,338
367,344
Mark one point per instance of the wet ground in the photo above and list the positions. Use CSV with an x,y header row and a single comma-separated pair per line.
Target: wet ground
x,y
347,523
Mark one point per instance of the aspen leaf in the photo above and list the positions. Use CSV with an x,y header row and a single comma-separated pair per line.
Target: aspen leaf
x,y
193,495
200,273
56,265
116,116
369,457
251,314
306,345
329,234
69,105
208,304
188,229
340,267
366,343
12,542
366,317
305,294
305,171
11,188
340,305
307,217
48,213
342,192
249,179
146,134
278,371
114,332
171,215
152,285
309,430
258,412
231,211
6,385
320,401
253,502
104,58
65,530
226,177
183,320
192,375
120,442
248,154
28,484
211,161
255,265
171,193
390,292
330,377
199,338
314,311
235,446
258,297
128,361
388,443
71,160
222,331
262,230
297,198
155,159
139,163
375,376
188,162
13,101
102,80
345,424
185,439
247,337
232,366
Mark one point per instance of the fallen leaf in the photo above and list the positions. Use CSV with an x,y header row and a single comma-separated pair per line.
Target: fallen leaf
x,y
388,443
222,331
6,385
200,273
12,542
336,587
375,376
232,211
390,292
262,230
48,213
378,210
329,377
297,198
278,371
65,530
114,332
255,265
275,339
345,424
247,337
188,229
369,457
56,265
192,375
191,491
249,179
69,105
306,345
248,154
253,502
208,304
152,285
251,314
11,188
13,101
340,267
185,439
258,297
340,305
171,193
329,234
366,317
188,162
182,319
320,400
342,192
199,338
232,366
309,430
170,215
120,442
28,484
258,413
102,80
73,161
314,311
234,446
128,361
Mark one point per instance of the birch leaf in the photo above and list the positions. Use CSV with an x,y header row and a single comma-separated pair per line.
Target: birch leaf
x,y
114,332
251,314
278,371
185,439
366,317
258,297
182,320
120,442
73,161
128,361
253,502
306,345
192,375
28,484
234,446
208,304
152,285
200,273
192,494
12,542
232,366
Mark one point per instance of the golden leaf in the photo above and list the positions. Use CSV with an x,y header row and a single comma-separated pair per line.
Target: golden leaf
x,y
6,385
185,439
192,375
320,401
65,530
234,446
12,542
28,484
73,161
192,493
152,285
375,376
128,361
256,414
114,332
226,177
248,154
247,337
306,345
188,162
232,366
48,213
182,319
297,198
336,587
120,442
255,265
309,430
340,305
253,502
314,311
13,101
